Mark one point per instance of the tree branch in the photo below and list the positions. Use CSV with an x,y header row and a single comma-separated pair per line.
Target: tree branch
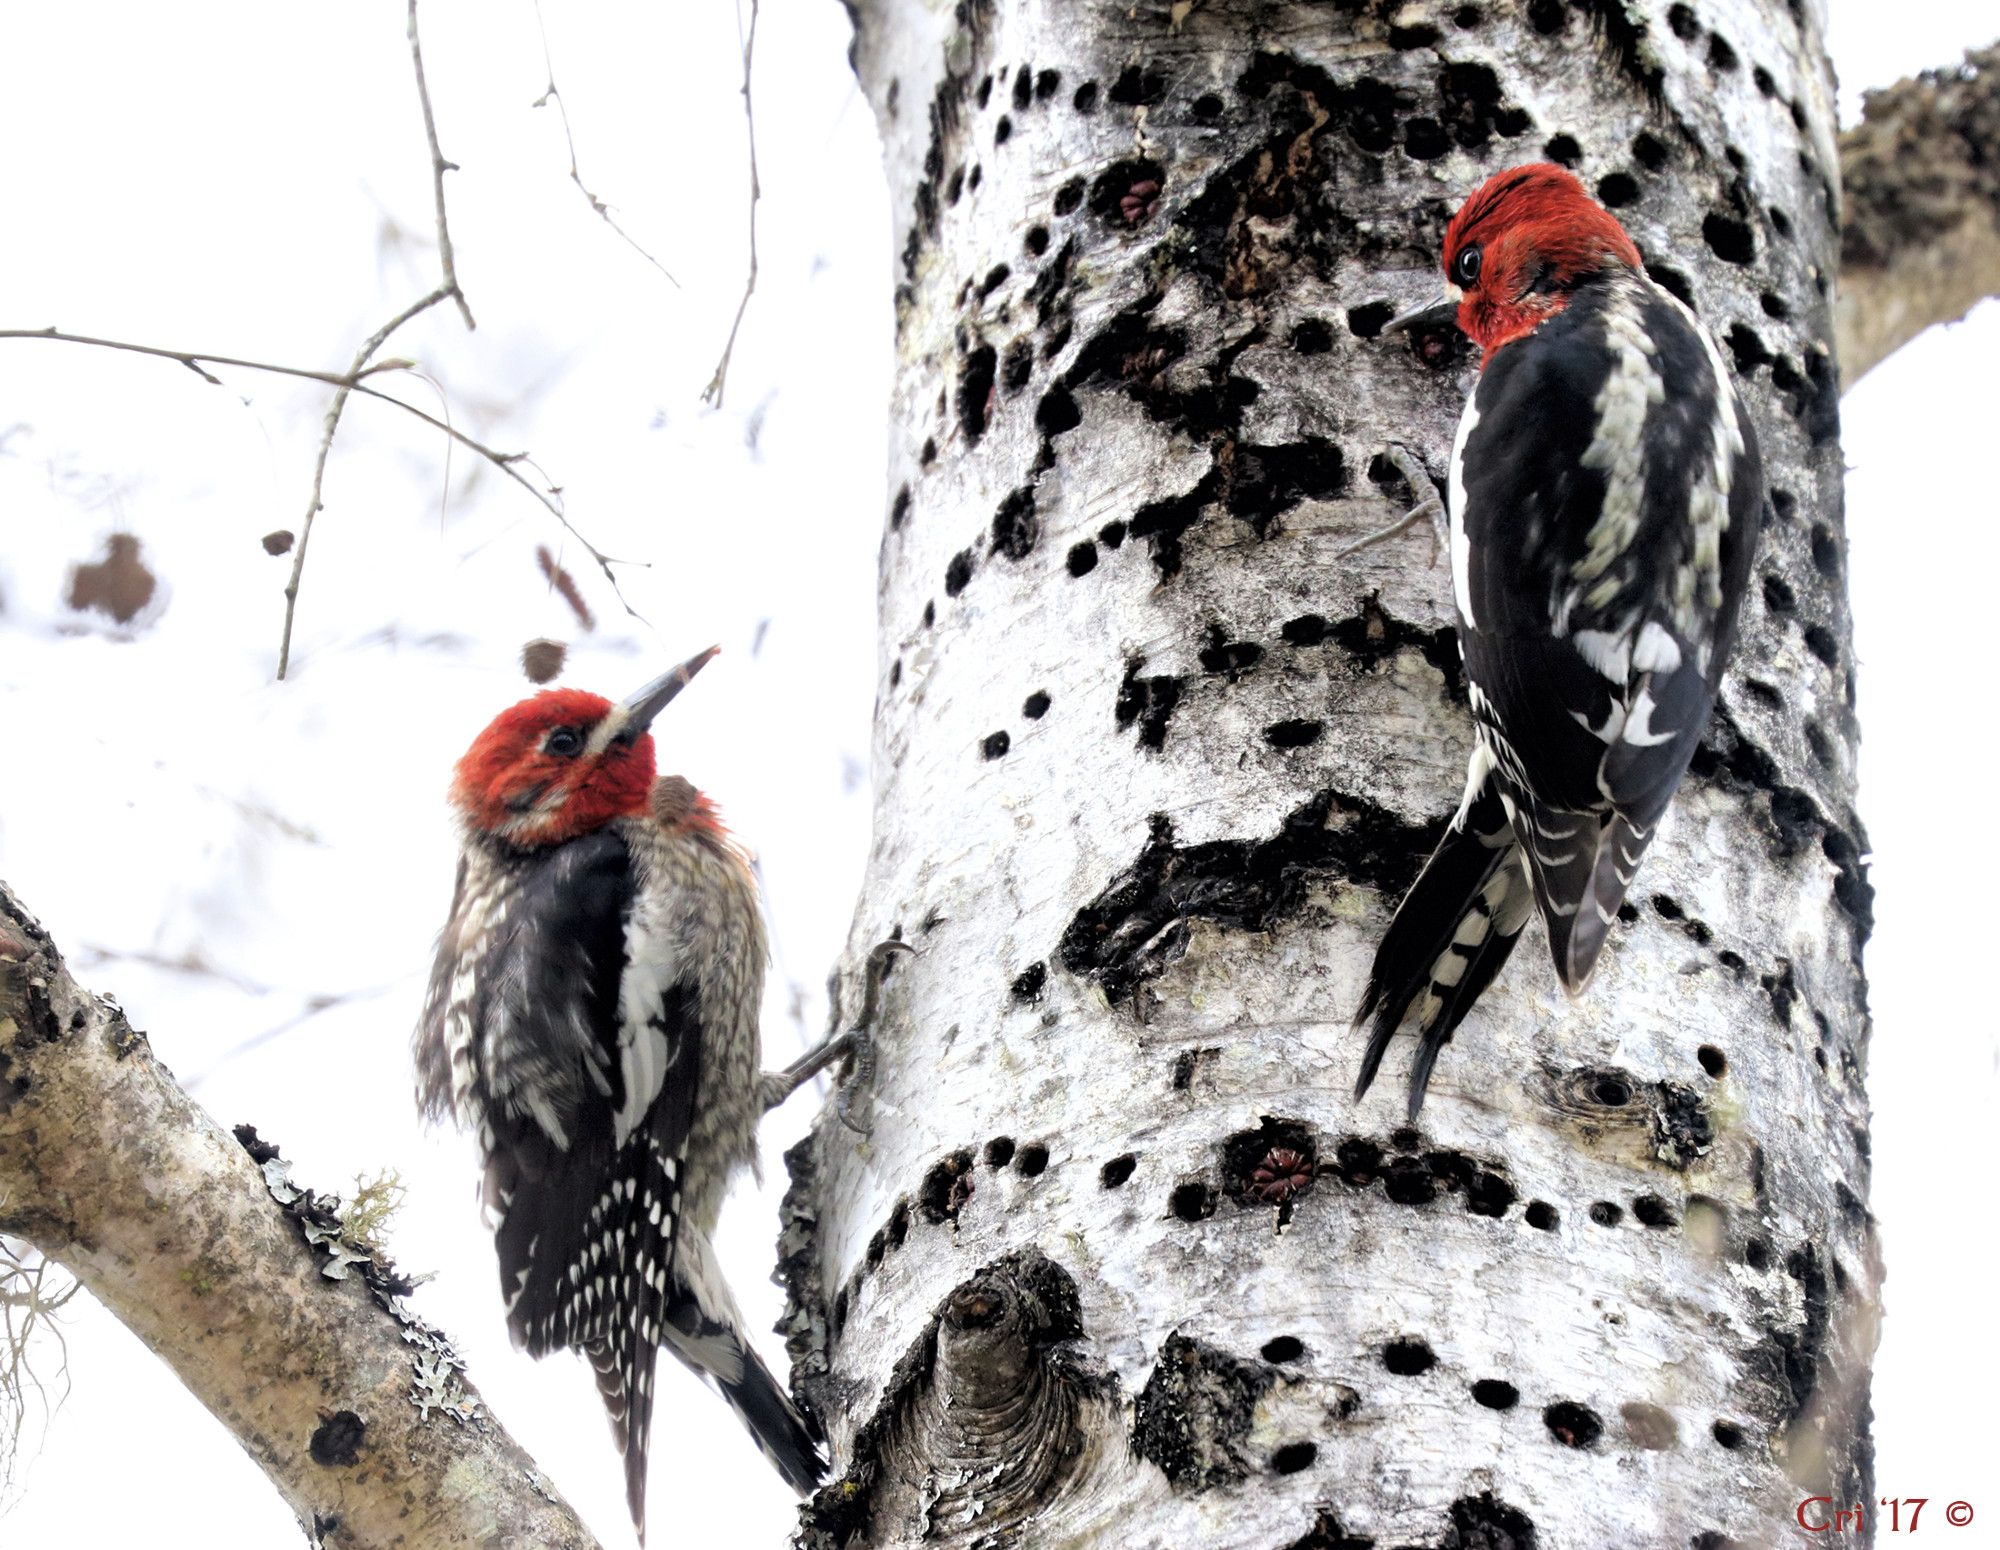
x,y
448,288
1920,176
354,380
712,394
439,167
603,210
295,1339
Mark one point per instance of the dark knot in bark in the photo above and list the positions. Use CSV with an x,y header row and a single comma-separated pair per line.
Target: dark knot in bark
x,y
988,1421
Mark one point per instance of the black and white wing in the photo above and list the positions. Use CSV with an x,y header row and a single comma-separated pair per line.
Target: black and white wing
x,y
585,1135
1605,503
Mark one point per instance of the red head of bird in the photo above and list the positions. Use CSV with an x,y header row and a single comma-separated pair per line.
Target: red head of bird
x,y
564,762
1516,248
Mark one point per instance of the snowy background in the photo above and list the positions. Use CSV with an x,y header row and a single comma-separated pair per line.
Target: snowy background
x,y
257,869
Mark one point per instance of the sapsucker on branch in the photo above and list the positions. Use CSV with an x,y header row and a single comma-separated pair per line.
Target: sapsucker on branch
x,y
592,1020
1605,497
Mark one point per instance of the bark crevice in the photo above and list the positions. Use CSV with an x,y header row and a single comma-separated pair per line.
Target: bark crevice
x,y
990,1421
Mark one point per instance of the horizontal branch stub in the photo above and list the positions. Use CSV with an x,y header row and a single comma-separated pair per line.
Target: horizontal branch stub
x,y
989,1421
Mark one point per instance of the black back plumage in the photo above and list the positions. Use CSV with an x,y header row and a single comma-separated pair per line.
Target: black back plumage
x,y
1596,617
526,1034
584,1226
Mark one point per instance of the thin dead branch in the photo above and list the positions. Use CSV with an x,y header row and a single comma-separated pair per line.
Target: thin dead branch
x,y
439,167
32,1292
603,210
356,381
448,289
712,394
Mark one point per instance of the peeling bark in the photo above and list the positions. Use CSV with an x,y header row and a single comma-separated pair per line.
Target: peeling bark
x,y
242,1282
1921,176
1153,765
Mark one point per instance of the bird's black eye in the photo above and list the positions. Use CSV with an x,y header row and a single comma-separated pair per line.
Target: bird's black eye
x,y
564,743
1465,268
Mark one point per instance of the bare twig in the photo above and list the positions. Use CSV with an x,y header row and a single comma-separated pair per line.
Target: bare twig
x,y
603,210
448,288
712,394
334,410
355,381
439,167
32,1291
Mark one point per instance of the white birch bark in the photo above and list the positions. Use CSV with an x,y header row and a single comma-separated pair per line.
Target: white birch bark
x,y
1154,766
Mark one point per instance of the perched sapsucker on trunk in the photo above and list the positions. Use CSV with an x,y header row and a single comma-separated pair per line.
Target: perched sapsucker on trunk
x,y
1605,501
592,1019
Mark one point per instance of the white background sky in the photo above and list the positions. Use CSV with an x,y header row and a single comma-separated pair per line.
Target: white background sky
x,y
257,870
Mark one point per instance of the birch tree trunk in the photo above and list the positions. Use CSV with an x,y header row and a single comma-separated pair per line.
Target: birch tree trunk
x,y
1121,1259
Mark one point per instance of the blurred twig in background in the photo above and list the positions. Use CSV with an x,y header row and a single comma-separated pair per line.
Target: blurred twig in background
x,y
552,94
712,394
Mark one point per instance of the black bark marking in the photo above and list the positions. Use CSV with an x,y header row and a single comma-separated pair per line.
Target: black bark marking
x,y
1194,1415
1484,1522
336,1442
1268,481
958,574
1231,658
975,392
1015,528
1571,1424
1729,758
1148,701
1295,733
1137,924
1408,1356
947,1187
1374,635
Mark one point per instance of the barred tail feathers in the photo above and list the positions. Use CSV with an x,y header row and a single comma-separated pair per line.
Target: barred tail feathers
x,y
1450,936
623,1365
1580,865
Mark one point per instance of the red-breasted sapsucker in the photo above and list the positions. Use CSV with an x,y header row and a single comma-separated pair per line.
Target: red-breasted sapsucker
x,y
1605,497
593,1021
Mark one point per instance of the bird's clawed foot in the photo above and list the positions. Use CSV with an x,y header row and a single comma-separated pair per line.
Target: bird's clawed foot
x,y
1429,503
856,1044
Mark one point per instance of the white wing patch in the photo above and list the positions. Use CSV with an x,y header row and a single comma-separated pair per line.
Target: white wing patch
x,y
1656,651
652,965
1638,729
1461,545
1609,652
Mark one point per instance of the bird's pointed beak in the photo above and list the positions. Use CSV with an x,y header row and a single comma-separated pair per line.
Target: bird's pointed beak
x,y
637,713
1441,311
